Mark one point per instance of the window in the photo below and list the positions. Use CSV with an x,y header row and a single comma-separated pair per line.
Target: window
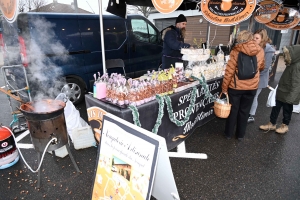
x,y
143,31
90,34
152,34
114,33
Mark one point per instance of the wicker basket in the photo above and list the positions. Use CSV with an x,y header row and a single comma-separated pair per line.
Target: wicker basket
x,y
222,110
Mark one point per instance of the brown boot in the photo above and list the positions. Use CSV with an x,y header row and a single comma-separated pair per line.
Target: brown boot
x,y
282,129
268,127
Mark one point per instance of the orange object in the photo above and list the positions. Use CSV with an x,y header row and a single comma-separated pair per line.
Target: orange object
x,y
4,134
166,6
8,152
9,9
226,5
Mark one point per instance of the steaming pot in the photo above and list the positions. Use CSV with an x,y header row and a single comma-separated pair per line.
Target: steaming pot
x,y
46,120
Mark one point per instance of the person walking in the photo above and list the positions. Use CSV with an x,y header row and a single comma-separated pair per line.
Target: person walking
x,y
288,91
173,37
241,92
262,39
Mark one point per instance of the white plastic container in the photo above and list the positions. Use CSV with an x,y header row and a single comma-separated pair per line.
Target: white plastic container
x,y
83,137
61,152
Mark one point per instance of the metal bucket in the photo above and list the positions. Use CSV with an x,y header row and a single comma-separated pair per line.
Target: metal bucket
x,y
46,120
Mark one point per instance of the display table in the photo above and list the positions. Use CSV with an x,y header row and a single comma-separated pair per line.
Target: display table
x,y
148,112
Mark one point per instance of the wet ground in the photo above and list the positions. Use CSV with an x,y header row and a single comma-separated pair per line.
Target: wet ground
x,y
263,166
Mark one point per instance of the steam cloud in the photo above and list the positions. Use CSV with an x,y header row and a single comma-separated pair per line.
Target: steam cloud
x,y
45,77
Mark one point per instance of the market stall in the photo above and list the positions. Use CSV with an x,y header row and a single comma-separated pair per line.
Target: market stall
x,y
171,103
186,123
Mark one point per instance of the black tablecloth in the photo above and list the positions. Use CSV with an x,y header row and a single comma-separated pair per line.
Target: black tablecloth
x,y
148,112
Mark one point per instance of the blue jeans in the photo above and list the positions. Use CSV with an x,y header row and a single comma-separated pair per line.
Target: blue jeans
x,y
255,102
287,112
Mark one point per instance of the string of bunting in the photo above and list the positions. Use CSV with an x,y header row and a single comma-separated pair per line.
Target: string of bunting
x,y
207,93
167,99
160,113
135,115
188,113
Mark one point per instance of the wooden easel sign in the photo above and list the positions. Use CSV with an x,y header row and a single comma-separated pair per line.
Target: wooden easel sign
x,y
127,163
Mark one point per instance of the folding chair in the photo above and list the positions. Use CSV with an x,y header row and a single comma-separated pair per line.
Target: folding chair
x,y
115,63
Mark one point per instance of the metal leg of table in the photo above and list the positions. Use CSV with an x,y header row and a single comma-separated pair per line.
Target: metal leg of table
x,y
72,158
54,156
181,153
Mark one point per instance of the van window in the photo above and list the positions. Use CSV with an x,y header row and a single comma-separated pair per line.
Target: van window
x,y
67,32
90,34
143,31
64,31
114,33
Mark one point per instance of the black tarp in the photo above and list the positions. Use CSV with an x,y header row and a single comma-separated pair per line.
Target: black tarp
x,y
120,8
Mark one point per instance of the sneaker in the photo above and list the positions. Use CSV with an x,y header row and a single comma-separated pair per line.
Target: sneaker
x,y
251,119
268,127
282,129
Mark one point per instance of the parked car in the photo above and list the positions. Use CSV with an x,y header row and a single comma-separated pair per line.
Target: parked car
x,y
69,45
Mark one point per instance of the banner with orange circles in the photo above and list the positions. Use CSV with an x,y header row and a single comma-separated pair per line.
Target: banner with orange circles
x,y
285,19
267,11
166,6
227,12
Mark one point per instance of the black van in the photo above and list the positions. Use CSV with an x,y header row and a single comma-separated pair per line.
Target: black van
x,y
68,45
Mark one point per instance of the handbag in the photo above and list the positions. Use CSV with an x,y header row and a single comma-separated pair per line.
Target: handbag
x,y
271,102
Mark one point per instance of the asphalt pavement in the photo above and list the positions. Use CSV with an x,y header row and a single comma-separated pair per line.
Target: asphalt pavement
x,y
263,166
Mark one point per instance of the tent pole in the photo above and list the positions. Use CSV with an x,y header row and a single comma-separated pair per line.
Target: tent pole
x,y
251,22
208,35
101,36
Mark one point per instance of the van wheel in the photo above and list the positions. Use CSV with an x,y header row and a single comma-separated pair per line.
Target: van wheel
x,y
74,89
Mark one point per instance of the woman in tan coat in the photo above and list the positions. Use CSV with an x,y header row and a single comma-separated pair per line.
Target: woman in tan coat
x,y
241,92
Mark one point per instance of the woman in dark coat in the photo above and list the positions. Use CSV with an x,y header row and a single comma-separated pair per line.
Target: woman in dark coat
x,y
288,91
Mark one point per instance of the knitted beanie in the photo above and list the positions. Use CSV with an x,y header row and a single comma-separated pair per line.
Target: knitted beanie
x,y
180,18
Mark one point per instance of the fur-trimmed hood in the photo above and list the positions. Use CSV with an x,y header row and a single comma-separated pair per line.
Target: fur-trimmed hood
x,y
291,54
288,90
164,31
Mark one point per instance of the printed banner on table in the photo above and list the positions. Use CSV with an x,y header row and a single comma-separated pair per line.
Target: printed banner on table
x,y
9,9
95,118
267,11
126,163
227,12
285,19
166,6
